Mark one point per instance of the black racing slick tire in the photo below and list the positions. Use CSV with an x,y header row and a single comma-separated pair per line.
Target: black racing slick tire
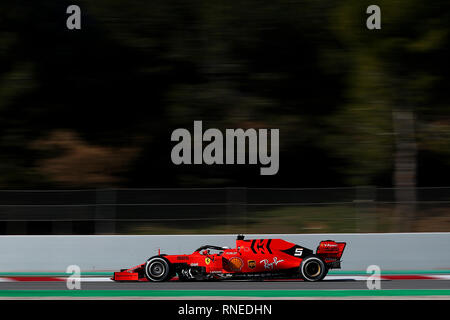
x,y
158,269
313,268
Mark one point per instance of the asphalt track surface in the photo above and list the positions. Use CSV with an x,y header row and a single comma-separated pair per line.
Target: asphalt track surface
x,y
231,285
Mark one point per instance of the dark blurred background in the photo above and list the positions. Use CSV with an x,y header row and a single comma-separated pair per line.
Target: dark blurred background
x,y
364,115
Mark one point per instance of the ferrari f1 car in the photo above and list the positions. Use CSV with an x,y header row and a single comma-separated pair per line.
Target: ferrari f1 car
x,y
257,259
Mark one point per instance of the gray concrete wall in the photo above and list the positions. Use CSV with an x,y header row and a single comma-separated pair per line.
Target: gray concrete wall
x,y
104,253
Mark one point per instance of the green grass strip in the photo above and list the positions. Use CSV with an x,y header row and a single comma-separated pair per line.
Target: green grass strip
x,y
224,293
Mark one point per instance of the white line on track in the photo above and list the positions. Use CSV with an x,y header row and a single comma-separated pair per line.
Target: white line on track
x,y
90,279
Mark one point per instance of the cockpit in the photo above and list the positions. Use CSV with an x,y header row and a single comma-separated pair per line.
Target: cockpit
x,y
206,250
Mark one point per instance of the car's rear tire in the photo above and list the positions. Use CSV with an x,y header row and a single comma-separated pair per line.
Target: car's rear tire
x,y
313,268
158,269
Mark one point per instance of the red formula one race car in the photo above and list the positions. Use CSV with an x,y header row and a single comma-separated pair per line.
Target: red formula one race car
x,y
257,259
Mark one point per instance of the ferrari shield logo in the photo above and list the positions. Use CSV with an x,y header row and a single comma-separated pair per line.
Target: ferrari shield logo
x,y
251,264
207,261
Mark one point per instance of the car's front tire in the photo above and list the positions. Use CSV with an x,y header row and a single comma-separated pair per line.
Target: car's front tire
x,y
157,269
313,268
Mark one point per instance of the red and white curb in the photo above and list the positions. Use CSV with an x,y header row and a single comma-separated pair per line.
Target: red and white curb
x,y
330,277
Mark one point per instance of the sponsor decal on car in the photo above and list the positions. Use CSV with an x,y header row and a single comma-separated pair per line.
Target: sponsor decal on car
x,y
236,263
329,245
207,261
270,265
261,246
251,264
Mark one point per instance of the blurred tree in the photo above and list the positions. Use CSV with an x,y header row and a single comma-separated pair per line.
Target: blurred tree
x,y
401,66
139,69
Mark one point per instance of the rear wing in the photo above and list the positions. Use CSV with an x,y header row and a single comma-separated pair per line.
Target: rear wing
x,y
331,252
